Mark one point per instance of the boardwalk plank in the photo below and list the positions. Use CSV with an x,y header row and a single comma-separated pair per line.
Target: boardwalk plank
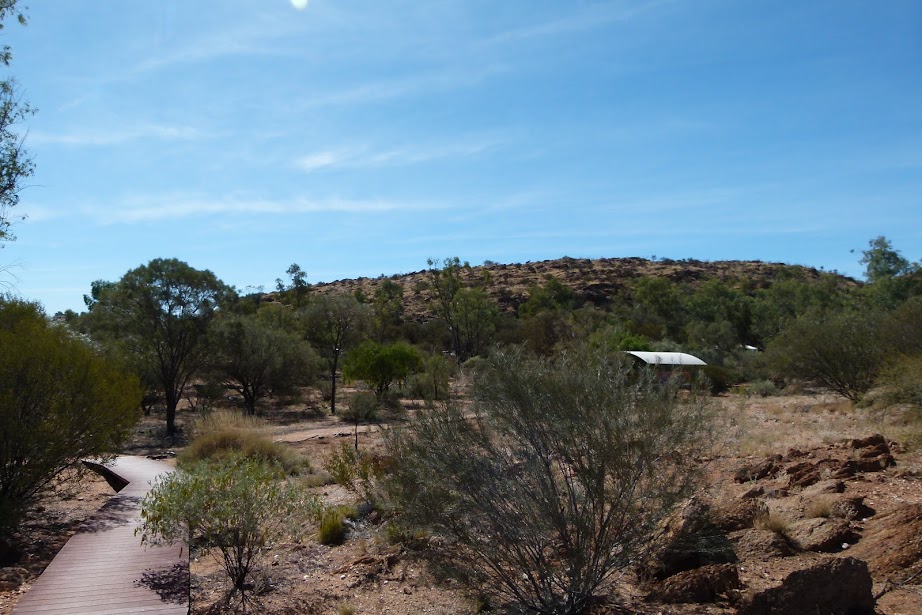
x,y
104,570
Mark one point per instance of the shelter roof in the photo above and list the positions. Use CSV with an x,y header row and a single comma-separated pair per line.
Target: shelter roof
x,y
666,358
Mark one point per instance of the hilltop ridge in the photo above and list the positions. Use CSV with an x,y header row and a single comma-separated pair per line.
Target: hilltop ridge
x,y
593,280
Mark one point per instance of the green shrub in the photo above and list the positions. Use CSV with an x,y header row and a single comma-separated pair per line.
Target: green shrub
x,y
233,505
381,365
225,433
902,382
331,529
763,388
326,389
433,382
357,471
60,402
363,407
719,379
396,533
841,351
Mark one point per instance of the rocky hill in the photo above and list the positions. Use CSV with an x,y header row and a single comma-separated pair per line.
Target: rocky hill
x,y
595,281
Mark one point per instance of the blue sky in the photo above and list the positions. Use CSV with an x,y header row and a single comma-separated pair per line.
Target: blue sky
x,y
359,138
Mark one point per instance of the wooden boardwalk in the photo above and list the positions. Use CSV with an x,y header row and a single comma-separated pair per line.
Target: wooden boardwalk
x,y
103,569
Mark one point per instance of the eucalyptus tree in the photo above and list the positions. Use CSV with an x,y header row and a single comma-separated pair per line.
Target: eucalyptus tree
x,y
160,314
255,358
15,163
467,310
333,324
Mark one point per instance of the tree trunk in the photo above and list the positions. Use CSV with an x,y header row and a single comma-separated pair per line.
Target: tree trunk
x,y
171,402
333,391
249,400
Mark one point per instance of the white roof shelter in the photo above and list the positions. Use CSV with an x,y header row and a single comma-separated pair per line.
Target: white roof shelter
x,y
666,358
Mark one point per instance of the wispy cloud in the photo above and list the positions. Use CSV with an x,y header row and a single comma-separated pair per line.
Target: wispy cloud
x,y
117,136
401,87
594,16
405,155
264,36
166,207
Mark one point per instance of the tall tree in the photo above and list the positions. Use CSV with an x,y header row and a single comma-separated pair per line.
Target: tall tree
x,y
891,277
388,306
255,358
298,286
468,312
160,312
475,315
335,323
445,282
15,163
882,261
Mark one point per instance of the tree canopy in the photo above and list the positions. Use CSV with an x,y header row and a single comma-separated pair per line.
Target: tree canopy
x,y
380,365
254,358
160,313
333,324
15,163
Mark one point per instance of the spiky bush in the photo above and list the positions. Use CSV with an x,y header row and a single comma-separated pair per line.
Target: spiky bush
x,y
556,482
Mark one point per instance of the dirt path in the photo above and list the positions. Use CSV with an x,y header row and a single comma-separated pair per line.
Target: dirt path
x,y
326,428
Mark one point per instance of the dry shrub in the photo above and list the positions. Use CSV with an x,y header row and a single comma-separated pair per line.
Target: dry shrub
x,y
820,506
358,471
773,522
557,483
225,433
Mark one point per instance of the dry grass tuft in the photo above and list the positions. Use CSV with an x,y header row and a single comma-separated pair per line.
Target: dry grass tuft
x,y
773,522
820,506
224,432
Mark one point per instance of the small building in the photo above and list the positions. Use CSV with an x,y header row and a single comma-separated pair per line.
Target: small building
x,y
669,364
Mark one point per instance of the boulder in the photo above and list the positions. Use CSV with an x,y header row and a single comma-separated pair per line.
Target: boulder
x,y
836,586
870,441
892,543
738,515
763,545
825,535
689,540
852,507
705,584
803,474
851,467
758,471
823,488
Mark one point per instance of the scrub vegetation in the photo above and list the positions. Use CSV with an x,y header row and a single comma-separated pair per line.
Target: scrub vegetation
x,y
517,452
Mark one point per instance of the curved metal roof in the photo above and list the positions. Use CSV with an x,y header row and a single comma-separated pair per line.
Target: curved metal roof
x,y
666,358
